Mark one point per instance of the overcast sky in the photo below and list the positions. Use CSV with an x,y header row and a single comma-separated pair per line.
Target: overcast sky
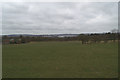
x,y
55,17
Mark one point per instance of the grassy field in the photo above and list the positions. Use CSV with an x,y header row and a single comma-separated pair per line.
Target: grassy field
x,y
60,60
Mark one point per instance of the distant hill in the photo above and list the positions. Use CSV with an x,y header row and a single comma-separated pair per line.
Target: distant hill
x,y
49,35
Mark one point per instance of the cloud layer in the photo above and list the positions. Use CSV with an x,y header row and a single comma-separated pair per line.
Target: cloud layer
x,y
55,17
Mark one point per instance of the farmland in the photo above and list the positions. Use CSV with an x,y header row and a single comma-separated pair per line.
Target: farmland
x,y
60,60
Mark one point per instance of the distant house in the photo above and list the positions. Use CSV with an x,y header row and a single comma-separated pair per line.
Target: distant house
x,y
11,41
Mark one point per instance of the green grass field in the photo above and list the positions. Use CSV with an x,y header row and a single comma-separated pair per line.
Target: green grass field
x,y
60,60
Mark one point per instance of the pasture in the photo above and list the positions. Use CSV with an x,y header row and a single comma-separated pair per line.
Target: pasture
x,y
60,60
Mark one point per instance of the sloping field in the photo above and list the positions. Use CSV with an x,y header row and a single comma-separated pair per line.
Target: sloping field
x,y
60,59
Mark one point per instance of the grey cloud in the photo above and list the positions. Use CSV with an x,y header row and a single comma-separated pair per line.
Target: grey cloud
x,y
63,17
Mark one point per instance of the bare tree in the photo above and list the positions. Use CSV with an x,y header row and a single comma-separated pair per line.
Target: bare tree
x,y
114,30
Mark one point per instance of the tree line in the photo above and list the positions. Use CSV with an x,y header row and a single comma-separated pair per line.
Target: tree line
x,y
84,38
